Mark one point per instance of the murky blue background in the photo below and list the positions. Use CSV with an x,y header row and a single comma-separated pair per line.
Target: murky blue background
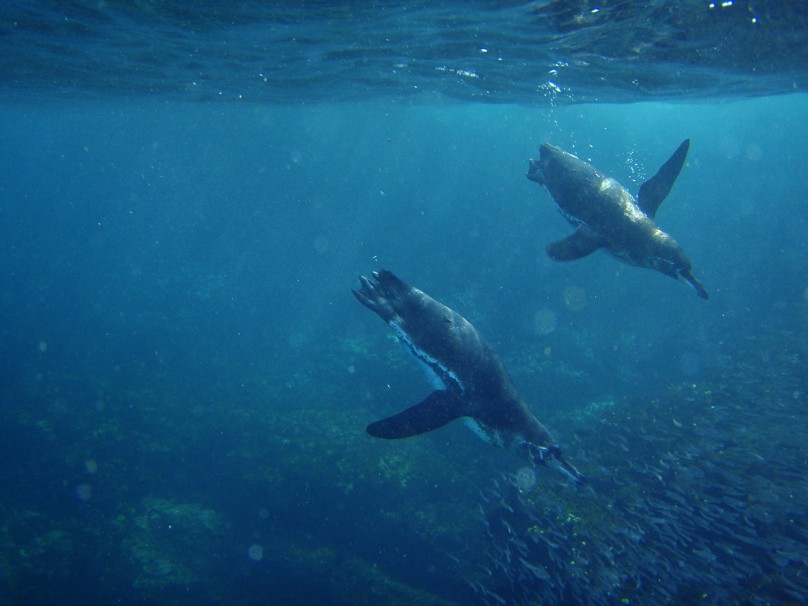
x,y
185,377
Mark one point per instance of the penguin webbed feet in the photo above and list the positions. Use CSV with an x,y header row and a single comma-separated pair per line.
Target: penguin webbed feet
x,y
568,469
535,172
371,294
552,457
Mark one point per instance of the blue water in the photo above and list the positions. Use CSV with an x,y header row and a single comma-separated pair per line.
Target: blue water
x,y
185,377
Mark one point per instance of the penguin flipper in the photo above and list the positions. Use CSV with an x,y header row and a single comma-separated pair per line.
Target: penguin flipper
x,y
654,191
582,242
435,411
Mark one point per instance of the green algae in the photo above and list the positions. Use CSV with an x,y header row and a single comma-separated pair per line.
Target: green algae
x,y
171,544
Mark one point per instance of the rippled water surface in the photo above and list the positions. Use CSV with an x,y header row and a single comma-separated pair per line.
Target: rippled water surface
x,y
507,52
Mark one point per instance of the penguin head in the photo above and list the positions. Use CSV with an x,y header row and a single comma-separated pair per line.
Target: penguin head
x,y
670,259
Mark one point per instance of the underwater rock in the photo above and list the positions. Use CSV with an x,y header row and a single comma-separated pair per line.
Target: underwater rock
x,y
173,545
319,574
39,558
